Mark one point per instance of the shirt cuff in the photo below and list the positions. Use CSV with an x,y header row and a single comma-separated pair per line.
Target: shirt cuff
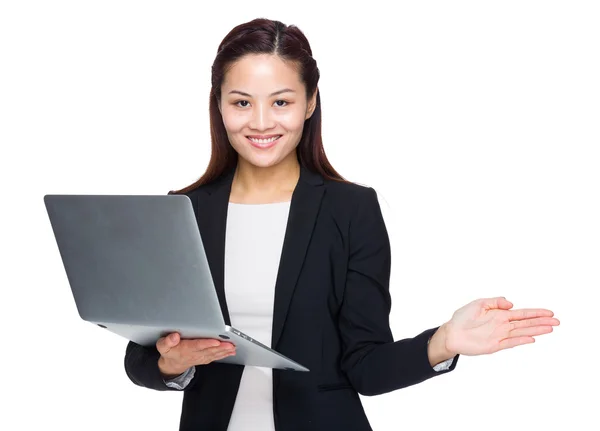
x,y
444,365
181,381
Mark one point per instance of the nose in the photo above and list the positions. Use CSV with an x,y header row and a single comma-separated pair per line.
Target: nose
x,y
262,118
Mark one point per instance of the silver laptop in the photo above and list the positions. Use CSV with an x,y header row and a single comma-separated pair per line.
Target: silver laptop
x,y
137,267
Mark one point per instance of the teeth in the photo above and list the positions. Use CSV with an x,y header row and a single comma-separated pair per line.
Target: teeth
x,y
264,141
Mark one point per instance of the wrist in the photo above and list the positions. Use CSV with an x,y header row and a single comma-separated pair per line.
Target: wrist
x,y
168,371
437,351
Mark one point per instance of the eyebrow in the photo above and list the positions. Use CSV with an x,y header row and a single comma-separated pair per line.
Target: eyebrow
x,y
285,90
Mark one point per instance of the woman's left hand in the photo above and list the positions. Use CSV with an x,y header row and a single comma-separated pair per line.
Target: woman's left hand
x,y
488,325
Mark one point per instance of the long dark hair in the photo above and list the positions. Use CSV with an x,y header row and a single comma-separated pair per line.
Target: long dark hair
x,y
264,36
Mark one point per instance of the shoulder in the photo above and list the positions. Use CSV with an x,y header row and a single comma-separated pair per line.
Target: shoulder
x,y
191,194
351,205
348,194
357,214
194,192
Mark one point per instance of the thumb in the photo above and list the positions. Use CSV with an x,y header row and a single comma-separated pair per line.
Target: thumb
x,y
499,302
165,344
173,339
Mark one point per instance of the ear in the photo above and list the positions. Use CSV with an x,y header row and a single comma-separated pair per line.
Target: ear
x,y
312,104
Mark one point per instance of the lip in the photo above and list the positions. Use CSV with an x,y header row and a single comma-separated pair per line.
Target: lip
x,y
263,136
263,146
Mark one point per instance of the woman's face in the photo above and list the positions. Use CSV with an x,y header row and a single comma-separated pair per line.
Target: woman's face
x,y
264,106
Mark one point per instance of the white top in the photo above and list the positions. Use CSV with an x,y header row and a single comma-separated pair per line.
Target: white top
x,y
253,244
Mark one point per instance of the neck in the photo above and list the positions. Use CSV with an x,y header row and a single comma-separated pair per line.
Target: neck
x,y
264,185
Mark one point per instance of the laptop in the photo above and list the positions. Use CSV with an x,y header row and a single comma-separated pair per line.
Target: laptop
x,y
137,267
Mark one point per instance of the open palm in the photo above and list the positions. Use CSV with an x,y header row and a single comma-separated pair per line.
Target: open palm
x,y
488,325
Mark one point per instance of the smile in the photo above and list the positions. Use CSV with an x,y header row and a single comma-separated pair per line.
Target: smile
x,y
263,142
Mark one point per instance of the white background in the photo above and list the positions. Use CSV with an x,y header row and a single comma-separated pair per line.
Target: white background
x,y
477,122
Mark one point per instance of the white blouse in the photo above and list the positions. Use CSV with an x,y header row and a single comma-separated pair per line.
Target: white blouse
x,y
253,244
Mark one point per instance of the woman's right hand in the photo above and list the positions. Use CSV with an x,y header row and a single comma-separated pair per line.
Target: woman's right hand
x,y
177,355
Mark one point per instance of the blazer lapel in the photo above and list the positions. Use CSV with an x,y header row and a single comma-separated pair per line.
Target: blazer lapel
x,y
212,219
304,207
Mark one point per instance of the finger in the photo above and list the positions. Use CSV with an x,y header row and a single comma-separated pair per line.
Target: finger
x,y
204,360
223,355
227,347
498,302
207,353
530,332
219,349
209,343
529,313
509,343
538,321
202,344
164,344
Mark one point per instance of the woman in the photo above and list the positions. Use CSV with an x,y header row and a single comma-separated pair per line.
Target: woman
x,y
301,257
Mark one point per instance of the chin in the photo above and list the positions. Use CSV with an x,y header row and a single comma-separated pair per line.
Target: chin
x,y
262,163
266,161
264,158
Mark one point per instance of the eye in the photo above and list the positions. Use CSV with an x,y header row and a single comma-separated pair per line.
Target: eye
x,y
244,103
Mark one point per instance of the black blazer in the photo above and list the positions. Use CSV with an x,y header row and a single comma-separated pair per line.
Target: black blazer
x,y
331,314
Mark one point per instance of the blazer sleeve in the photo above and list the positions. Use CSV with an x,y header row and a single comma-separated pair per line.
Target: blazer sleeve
x,y
141,366
372,360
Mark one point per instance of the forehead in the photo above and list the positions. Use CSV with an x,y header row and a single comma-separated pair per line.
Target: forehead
x,y
258,72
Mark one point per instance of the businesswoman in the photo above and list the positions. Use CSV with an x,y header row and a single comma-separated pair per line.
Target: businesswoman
x,y
301,258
